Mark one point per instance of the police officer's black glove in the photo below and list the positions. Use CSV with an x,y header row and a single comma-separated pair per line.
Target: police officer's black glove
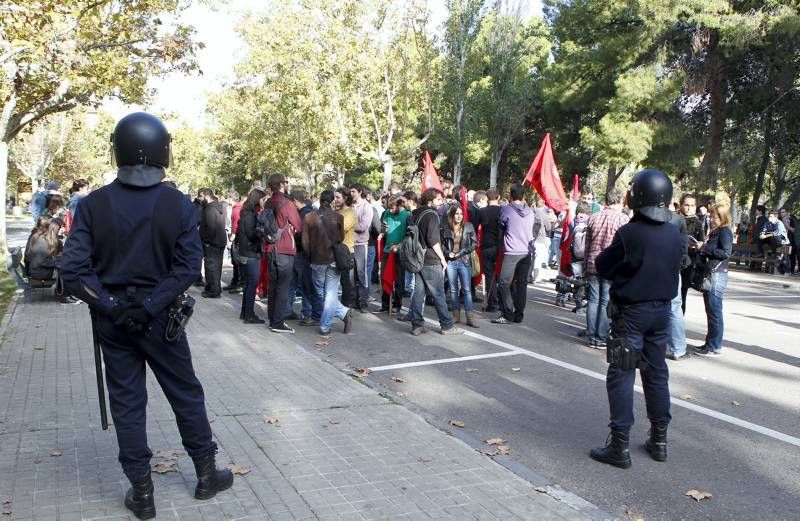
x,y
134,319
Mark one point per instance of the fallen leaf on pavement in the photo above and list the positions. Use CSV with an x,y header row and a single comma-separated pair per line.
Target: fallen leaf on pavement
x,y
423,459
272,420
168,454
321,343
38,348
516,369
238,469
56,453
489,452
397,379
456,423
503,449
401,394
162,468
333,422
541,490
687,397
472,370
495,441
698,495
737,404
633,515
347,365
362,372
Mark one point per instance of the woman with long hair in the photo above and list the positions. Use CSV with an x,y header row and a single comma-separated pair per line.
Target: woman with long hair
x,y
249,244
716,250
56,209
459,240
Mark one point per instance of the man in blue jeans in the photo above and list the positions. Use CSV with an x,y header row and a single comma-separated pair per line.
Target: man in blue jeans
x,y
676,348
430,280
321,231
600,232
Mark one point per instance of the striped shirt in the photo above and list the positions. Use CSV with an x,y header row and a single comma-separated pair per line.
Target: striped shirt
x,y
600,232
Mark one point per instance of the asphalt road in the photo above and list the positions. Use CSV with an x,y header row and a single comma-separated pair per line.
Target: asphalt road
x,y
543,392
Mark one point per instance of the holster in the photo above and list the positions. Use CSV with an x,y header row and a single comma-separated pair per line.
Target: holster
x,y
179,314
619,351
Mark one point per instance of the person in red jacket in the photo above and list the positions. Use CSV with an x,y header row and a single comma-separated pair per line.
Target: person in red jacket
x,y
280,256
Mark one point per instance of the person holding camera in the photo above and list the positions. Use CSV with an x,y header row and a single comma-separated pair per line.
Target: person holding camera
x,y
642,263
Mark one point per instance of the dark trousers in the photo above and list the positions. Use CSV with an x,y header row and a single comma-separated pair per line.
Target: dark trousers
x,y
399,284
250,273
429,281
302,284
212,257
346,281
280,268
512,286
236,277
125,357
489,262
647,329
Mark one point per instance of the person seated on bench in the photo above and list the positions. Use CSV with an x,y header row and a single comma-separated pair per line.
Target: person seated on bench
x,y
43,252
773,234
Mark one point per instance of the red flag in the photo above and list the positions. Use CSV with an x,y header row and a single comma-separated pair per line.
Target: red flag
x,y
576,191
430,179
463,198
389,275
543,177
566,236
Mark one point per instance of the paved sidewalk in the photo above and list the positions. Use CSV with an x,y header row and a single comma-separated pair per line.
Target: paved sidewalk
x,y
339,450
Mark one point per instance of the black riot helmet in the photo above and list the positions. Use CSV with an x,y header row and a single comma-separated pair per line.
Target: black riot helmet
x,y
141,139
650,194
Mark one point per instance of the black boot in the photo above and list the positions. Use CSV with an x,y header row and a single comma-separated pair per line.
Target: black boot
x,y
656,445
139,498
210,480
615,452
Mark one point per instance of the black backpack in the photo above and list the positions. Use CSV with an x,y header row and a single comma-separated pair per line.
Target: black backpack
x,y
412,252
267,225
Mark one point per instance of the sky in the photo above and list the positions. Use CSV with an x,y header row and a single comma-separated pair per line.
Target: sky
x,y
186,96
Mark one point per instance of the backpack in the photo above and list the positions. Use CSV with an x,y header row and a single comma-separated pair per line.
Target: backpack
x,y
579,241
267,224
412,252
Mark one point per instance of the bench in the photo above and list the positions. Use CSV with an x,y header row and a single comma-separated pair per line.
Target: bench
x,y
25,283
748,254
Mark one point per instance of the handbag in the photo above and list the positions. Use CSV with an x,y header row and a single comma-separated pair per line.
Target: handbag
x,y
475,263
237,257
342,256
701,276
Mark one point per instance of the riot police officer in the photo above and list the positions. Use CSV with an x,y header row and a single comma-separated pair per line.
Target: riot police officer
x,y
642,263
133,249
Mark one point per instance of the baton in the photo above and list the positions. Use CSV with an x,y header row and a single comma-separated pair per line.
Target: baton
x,y
98,369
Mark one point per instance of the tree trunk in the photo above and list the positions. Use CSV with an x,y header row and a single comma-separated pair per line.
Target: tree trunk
x,y
3,183
457,169
388,166
496,156
762,171
613,176
459,146
794,197
718,91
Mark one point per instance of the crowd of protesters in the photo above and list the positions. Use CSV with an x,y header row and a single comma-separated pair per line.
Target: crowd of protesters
x,y
473,240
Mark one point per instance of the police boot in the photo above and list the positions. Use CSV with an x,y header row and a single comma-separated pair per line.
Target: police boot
x,y
656,445
139,498
471,322
615,452
457,315
210,480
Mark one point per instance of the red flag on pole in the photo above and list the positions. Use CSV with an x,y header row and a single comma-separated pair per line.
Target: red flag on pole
x,y
389,275
430,179
543,177
566,236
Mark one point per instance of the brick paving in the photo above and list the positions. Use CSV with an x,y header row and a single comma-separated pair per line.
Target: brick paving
x,y
339,450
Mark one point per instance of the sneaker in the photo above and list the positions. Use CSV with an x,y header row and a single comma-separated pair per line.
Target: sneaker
x,y
701,350
500,320
452,331
69,300
678,358
600,344
281,328
309,322
324,333
348,321
417,331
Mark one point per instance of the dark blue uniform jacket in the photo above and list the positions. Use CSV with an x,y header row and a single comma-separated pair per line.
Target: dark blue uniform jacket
x,y
131,237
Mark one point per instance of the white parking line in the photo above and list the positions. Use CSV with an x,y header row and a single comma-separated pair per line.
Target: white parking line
x,y
780,436
444,361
